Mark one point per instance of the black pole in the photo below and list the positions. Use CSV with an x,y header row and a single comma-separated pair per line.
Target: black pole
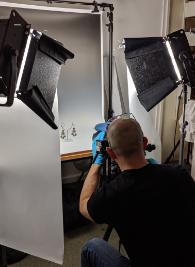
x,y
110,90
94,3
183,131
110,29
68,2
108,232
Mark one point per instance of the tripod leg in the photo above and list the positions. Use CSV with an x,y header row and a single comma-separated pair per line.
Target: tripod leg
x,y
108,233
119,246
173,151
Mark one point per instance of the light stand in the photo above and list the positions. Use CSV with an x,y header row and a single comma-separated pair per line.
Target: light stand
x,y
183,131
3,256
110,29
186,59
187,65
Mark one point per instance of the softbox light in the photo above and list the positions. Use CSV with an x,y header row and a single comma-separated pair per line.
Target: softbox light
x,y
33,60
157,65
183,56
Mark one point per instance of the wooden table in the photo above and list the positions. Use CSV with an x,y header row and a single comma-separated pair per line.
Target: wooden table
x,y
76,155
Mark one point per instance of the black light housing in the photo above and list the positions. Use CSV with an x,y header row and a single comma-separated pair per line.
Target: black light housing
x,y
183,56
158,65
13,36
30,65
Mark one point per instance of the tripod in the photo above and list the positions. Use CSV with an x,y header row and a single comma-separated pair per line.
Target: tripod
x,y
110,171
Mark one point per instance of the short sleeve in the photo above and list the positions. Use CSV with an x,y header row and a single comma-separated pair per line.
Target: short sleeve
x,y
100,205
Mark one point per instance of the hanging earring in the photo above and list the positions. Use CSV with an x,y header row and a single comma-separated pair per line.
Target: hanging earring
x,y
63,135
74,132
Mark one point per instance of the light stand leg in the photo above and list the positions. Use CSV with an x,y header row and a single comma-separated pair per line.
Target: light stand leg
x,y
3,256
172,152
183,132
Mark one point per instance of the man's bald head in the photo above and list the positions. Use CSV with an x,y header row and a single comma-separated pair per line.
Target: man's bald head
x,y
125,137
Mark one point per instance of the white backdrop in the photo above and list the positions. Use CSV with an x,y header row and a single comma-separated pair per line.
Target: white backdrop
x,y
80,86
30,178
30,184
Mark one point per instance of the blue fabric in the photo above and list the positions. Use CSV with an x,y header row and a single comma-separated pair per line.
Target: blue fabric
x,y
100,136
98,253
102,127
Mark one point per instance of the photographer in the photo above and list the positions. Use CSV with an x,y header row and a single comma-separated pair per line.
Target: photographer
x,y
152,207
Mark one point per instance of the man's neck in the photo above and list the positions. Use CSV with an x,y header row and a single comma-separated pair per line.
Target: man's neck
x,y
136,162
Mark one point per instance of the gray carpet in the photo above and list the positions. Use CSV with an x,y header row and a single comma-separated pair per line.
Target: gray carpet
x,y
73,242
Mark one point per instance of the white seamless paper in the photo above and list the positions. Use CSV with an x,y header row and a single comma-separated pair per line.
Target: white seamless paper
x,y
30,175
30,184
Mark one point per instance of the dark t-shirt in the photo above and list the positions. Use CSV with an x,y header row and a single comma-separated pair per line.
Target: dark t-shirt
x,y
153,211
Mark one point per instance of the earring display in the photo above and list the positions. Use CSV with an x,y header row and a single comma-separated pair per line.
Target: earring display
x,y
66,132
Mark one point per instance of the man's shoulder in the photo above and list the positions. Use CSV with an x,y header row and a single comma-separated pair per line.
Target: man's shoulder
x,y
150,168
163,168
157,171
166,168
171,176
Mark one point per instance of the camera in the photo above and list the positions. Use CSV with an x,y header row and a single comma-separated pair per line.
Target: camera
x,y
102,145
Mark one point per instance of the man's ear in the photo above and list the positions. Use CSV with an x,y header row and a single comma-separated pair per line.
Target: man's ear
x,y
111,153
145,142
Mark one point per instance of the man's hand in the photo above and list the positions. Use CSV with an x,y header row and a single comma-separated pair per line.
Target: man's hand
x,y
100,136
